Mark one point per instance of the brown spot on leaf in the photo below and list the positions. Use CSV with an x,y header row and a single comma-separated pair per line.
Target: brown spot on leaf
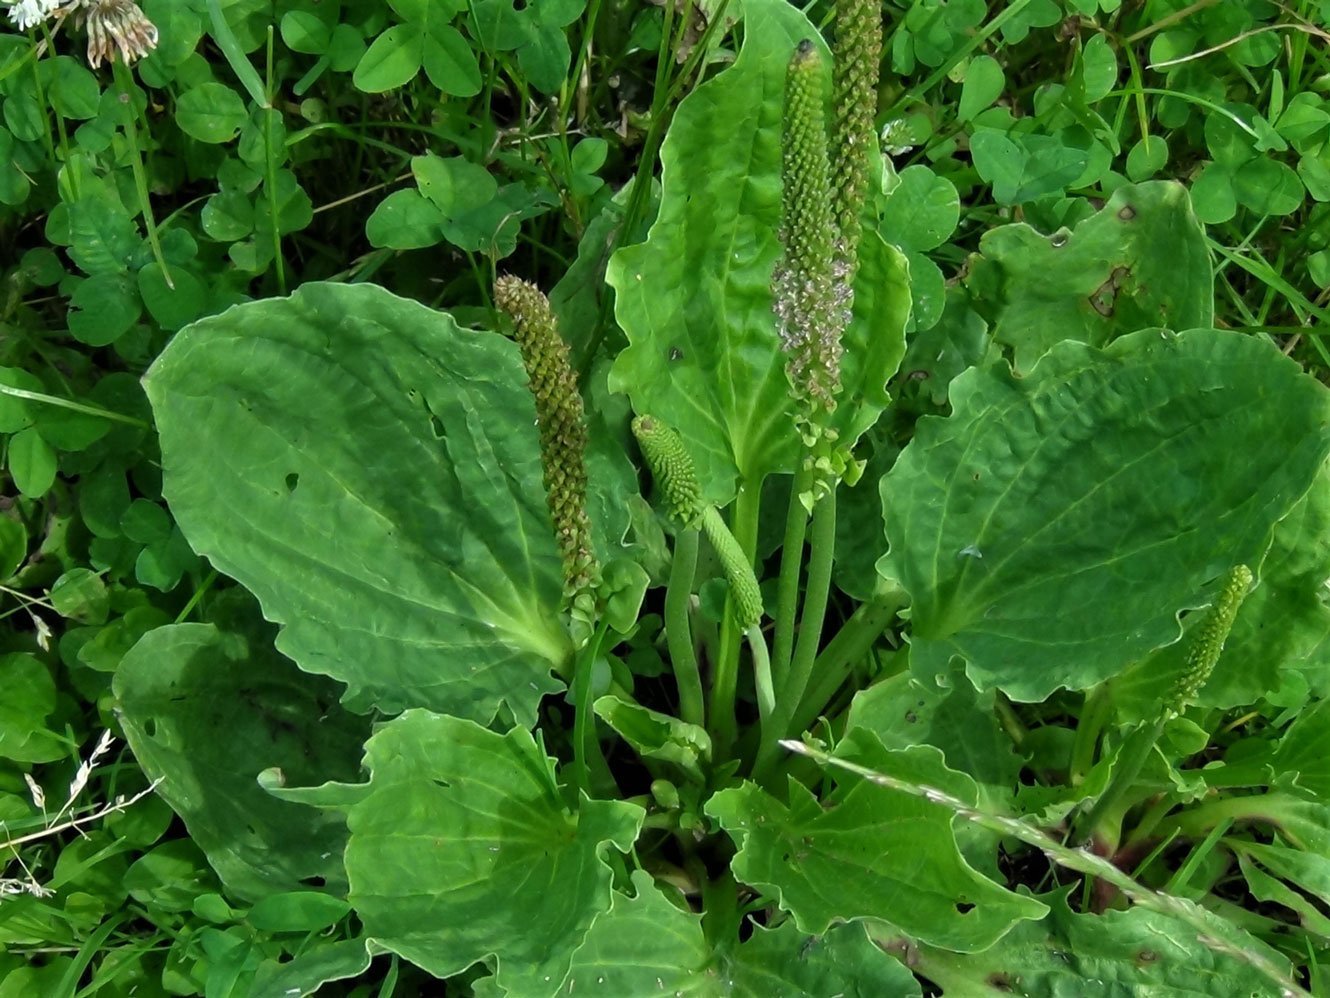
x,y
1105,297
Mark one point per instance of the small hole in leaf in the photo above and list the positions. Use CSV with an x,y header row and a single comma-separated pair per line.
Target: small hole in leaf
x,y
1147,956
292,480
150,727
1127,213
435,423
964,907
999,982
676,353
315,882
1059,239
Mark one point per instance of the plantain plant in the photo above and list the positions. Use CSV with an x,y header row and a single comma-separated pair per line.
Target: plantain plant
x,y
559,626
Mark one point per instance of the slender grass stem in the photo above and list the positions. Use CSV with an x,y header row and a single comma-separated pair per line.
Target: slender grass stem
x,y
125,83
678,630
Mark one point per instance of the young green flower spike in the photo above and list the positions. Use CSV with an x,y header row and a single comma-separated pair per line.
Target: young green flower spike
x,y
1208,639
559,417
858,60
671,467
744,590
809,286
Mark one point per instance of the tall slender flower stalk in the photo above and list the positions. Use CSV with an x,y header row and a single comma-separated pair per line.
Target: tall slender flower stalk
x,y
810,294
562,425
858,60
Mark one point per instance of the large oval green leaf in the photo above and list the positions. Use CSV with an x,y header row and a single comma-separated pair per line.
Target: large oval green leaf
x,y
463,850
370,471
1131,952
872,853
1140,261
695,299
1052,527
646,945
205,712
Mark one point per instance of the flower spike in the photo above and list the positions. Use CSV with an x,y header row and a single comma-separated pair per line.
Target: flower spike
x,y
559,416
811,295
858,61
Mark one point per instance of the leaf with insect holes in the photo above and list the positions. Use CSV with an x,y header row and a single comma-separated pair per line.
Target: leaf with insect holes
x,y
534,30
379,492
1132,952
1140,261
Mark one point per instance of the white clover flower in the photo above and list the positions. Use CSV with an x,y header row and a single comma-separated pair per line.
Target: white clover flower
x,y
27,13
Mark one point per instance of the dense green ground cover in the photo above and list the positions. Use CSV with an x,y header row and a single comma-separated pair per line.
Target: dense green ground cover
x,y
1051,640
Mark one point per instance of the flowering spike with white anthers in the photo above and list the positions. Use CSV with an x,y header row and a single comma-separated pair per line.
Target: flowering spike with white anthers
x,y
810,287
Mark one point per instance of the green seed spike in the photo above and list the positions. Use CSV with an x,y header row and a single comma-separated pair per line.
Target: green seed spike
x,y
744,589
858,62
1208,639
559,416
811,297
671,466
